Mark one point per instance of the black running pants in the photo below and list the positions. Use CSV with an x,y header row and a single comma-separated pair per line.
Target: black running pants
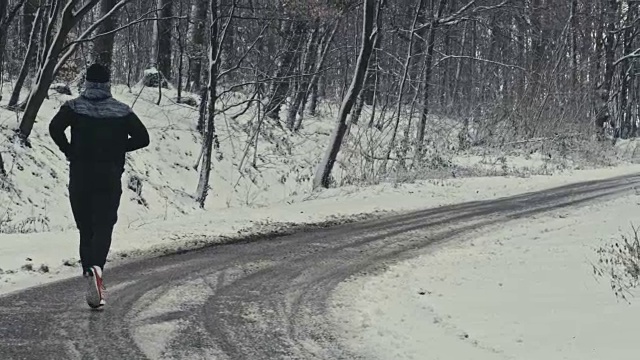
x,y
94,192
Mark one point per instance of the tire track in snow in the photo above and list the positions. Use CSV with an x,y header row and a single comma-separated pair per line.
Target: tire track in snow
x,y
257,300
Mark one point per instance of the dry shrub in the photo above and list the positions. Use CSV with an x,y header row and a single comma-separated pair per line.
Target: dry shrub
x,y
619,262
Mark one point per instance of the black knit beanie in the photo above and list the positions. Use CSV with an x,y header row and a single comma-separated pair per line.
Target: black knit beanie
x,y
97,73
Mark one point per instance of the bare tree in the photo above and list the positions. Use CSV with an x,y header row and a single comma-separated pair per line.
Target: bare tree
x,y
57,30
196,44
372,10
28,58
163,33
294,33
310,93
52,48
432,28
3,171
403,81
103,45
6,18
604,90
181,49
506,70
309,58
210,137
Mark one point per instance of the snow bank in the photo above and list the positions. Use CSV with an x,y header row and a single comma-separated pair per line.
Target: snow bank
x,y
521,290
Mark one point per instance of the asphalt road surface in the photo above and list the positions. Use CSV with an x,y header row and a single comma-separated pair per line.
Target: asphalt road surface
x,y
251,300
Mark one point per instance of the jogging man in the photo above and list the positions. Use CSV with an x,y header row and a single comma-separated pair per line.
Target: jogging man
x,y
103,130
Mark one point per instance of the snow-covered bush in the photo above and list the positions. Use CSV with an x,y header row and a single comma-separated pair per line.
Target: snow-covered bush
x,y
152,78
620,263
61,88
31,224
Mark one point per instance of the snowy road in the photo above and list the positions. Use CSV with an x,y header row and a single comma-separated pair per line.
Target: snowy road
x,y
264,299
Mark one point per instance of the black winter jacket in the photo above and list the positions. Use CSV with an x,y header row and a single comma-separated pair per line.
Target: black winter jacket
x,y
103,129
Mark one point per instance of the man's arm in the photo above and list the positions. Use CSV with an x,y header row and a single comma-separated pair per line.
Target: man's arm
x,y
57,127
138,134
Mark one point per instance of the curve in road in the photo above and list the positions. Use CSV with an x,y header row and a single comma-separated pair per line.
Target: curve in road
x,y
263,299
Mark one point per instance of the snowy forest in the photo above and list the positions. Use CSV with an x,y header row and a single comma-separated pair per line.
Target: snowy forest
x,y
504,71
322,179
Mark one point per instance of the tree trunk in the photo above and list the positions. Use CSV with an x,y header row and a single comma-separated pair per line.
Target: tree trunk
x,y
307,67
368,92
3,172
311,93
3,45
625,121
634,122
280,84
403,80
372,11
427,81
313,100
486,71
210,132
537,44
603,115
446,73
180,52
164,38
47,32
196,44
372,73
372,116
632,69
6,18
456,81
68,19
229,44
103,46
575,31
28,58
202,111
28,19
595,59
4,29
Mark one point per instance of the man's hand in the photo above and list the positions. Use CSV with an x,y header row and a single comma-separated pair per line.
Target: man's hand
x,y
57,127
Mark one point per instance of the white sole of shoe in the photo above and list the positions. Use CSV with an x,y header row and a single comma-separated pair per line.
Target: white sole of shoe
x,y
93,292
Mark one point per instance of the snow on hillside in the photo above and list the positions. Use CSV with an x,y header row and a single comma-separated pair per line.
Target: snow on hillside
x,y
250,171
37,180
520,290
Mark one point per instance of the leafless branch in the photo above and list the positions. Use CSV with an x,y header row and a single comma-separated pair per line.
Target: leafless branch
x,y
12,13
634,54
77,15
88,32
246,53
448,57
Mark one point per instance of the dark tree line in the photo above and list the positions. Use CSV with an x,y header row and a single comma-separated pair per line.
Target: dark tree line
x,y
510,69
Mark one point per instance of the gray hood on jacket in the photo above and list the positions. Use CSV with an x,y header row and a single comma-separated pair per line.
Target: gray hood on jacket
x,y
96,102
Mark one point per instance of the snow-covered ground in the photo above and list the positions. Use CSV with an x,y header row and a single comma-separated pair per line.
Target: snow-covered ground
x,y
257,186
34,197
258,164
520,290
37,234
23,255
